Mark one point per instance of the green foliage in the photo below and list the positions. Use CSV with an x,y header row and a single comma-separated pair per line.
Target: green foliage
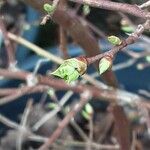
x,y
70,70
114,40
104,65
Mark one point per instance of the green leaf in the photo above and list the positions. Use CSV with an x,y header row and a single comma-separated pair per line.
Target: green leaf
x,y
104,65
86,9
88,108
114,40
49,8
74,76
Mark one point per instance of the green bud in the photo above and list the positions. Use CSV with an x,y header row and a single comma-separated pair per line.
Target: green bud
x,y
148,58
71,69
66,109
128,29
49,8
86,9
52,105
114,40
104,64
51,92
88,108
85,115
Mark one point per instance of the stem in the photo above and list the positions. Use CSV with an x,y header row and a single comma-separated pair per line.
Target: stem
x,y
115,6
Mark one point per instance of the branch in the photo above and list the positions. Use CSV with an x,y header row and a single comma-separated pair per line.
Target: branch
x,y
115,6
130,40
71,22
84,99
109,94
8,44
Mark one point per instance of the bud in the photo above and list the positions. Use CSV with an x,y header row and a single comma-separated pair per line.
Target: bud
x,y
128,29
88,108
148,58
49,8
71,69
140,66
104,64
86,9
52,106
114,40
87,112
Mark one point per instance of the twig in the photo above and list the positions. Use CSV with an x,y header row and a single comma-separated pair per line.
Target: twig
x,y
109,5
105,94
131,39
8,44
8,122
145,5
70,22
23,124
63,42
52,113
46,54
122,127
84,99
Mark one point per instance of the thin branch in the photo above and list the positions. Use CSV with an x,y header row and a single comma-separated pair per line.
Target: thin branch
x,y
115,6
8,122
145,5
131,39
84,99
8,44
105,94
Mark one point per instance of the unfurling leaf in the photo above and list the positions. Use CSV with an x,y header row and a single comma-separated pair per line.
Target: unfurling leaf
x,y
104,64
114,40
49,8
71,69
86,9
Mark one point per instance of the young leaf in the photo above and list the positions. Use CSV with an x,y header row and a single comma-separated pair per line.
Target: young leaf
x,y
71,69
114,40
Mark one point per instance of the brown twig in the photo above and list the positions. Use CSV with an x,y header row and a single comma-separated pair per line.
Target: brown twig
x,y
63,42
122,127
8,44
108,94
131,39
109,5
77,107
